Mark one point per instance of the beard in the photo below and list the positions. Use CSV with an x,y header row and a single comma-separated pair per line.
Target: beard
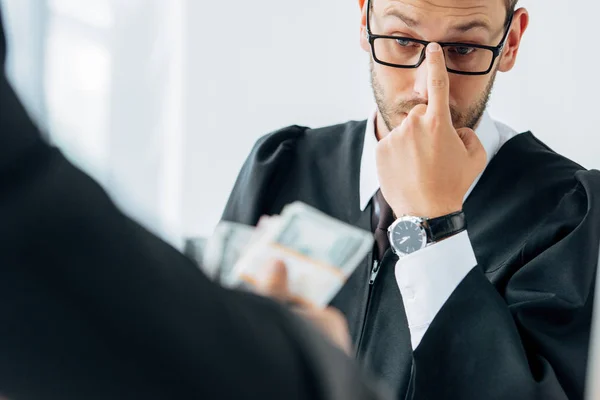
x,y
460,119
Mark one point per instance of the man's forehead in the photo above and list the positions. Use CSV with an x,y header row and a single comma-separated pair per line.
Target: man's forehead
x,y
455,15
414,10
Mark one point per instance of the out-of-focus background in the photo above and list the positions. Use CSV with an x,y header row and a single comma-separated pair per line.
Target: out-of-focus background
x,y
161,100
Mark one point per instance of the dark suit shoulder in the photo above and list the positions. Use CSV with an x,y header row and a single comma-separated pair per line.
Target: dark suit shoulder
x,y
541,175
277,141
261,173
534,158
315,139
527,166
335,131
531,194
340,137
294,156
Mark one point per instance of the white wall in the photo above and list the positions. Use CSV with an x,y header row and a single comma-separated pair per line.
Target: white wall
x,y
255,66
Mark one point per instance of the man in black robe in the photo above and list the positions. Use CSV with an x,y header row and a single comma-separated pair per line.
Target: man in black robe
x,y
480,285
92,306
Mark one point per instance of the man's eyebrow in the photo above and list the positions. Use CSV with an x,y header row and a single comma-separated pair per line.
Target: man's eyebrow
x,y
461,28
475,24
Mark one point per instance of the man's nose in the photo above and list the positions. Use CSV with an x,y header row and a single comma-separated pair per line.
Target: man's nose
x,y
420,83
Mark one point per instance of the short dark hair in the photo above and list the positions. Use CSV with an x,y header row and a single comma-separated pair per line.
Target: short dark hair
x,y
510,7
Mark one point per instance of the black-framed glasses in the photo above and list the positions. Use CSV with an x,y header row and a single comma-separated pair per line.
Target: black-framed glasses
x,y
461,58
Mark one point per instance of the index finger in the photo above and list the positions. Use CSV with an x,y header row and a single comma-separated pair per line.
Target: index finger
x,y
438,82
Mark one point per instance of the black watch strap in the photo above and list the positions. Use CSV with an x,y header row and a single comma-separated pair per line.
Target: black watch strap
x,y
445,226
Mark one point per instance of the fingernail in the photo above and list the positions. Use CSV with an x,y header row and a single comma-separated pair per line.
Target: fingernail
x,y
433,48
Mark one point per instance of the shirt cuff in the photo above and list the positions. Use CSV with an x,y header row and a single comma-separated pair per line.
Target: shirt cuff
x,y
427,278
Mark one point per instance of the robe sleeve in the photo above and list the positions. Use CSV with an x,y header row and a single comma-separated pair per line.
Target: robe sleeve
x,y
530,340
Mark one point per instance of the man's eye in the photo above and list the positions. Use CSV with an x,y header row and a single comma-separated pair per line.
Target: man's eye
x,y
462,50
404,42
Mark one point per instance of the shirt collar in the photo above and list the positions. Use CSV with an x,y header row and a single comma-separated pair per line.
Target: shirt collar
x,y
487,131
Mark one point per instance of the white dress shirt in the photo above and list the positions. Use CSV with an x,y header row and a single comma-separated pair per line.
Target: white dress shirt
x,y
428,277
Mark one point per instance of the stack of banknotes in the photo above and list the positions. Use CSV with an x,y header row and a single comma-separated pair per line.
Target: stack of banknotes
x,y
320,252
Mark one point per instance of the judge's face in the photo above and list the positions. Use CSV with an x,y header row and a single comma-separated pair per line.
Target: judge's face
x,y
479,22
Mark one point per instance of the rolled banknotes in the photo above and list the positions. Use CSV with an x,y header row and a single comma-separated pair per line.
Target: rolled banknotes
x,y
222,250
319,251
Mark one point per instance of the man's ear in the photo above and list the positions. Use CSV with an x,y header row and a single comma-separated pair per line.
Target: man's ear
x,y
513,40
364,43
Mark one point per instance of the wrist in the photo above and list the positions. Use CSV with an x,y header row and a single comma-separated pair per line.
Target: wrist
x,y
426,212
446,226
411,233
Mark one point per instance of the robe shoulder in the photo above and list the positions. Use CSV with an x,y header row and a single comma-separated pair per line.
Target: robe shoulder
x,y
282,156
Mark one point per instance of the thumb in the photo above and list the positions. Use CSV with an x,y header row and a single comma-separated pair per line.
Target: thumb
x,y
471,142
275,282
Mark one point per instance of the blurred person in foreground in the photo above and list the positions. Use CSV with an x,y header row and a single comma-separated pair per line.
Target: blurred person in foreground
x,y
480,285
94,306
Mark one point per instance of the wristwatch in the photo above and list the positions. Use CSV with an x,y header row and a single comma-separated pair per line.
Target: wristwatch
x,y
409,234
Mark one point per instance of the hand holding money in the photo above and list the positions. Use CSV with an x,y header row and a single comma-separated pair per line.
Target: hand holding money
x,y
330,321
320,253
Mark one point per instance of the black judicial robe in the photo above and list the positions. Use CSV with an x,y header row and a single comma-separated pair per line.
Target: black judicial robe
x,y
92,306
517,326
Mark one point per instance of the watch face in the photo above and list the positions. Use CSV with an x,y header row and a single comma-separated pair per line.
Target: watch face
x,y
407,235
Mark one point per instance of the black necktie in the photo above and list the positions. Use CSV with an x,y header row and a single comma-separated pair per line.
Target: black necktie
x,y
381,219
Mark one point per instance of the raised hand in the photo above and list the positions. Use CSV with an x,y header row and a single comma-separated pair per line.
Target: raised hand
x,y
425,165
